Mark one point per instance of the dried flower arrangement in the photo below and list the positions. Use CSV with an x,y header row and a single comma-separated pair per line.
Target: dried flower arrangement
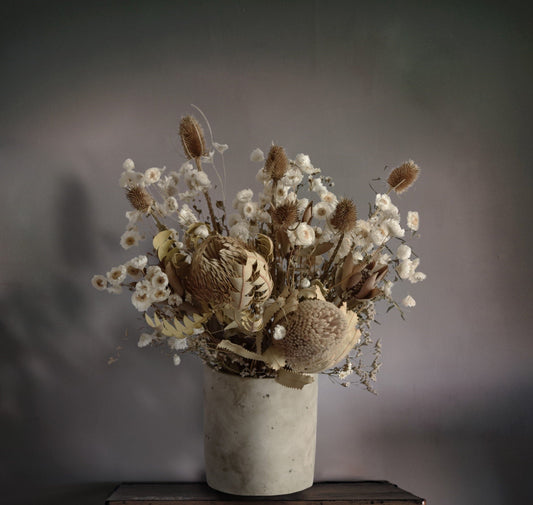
x,y
263,292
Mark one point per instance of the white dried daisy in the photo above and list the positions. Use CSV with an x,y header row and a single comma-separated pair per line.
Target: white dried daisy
x,y
257,155
130,238
99,282
412,220
408,301
152,175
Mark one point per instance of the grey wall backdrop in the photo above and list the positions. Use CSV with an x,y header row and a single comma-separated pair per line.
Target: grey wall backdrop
x,y
357,85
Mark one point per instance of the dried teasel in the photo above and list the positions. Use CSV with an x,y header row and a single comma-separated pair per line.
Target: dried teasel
x,y
285,215
139,198
276,163
345,216
192,137
404,176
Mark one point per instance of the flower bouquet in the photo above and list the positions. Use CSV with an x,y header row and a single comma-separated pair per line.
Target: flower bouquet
x,y
282,285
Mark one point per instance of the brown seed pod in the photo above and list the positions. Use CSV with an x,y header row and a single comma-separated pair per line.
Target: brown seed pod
x,y
192,138
404,176
139,198
277,163
345,216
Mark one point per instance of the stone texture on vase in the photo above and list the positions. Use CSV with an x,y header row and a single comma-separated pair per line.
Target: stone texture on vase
x,y
259,436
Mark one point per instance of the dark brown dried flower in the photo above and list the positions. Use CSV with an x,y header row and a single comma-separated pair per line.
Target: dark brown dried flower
x,y
285,215
192,137
345,216
276,163
139,198
404,176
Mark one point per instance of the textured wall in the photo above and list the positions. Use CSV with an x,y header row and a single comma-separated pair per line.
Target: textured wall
x,y
357,85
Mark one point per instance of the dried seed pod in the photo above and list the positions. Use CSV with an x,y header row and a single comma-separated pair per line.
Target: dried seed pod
x,y
192,138
139,198
277,163
285,215
345,216
404,176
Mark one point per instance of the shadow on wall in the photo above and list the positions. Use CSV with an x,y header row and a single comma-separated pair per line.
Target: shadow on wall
x,y
67,416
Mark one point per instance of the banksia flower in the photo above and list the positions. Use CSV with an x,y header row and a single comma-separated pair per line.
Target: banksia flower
x,y
285,215
192,138
276,163
404,176
224,272
139,198
317,336
345,216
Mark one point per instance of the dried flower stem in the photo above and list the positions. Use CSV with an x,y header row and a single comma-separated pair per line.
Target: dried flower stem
x,y
214,222
331,258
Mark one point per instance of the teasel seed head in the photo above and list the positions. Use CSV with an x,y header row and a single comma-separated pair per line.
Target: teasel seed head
x,y
139,198
344,216
277,163
404,176
285,215
192,137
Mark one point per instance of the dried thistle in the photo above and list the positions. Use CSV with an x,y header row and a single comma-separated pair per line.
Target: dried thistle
x,y
192,137
139,198
404,176
285,215
345,216
276,163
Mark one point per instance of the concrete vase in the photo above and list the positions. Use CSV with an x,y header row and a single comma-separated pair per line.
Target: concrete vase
x,y
259,436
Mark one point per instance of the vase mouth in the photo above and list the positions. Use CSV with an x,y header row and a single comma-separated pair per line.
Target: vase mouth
x,y
246,377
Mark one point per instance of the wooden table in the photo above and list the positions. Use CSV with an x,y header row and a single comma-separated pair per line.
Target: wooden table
x,y
322,493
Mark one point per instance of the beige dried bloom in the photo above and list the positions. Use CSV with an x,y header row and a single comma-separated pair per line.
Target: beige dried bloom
x,y
139,198
225,272
192,137
276,163
345,216
404,176
317,336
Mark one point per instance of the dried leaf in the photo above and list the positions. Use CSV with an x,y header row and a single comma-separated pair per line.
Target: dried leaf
x,y
239,350
293,380
160,238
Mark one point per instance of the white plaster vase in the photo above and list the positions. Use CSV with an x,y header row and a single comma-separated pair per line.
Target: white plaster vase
x,y
259,436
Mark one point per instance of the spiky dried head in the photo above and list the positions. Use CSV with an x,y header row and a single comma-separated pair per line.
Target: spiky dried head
x,y
276,163
192,137
344,216
404,176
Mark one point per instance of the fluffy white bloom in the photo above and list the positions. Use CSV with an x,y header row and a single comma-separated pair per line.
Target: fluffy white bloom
x,y
99,282
130,238
383,201
317,186
303,162
168,184
160,294
405,268
176,359
171,204
262,176
394,228
280,194
304,235
249,210
417,277
157,277
234,219
116,275
178,344
138,262
152,175
240,230
279,332
346,246
141,300
387,288
145,339
322,210
403,252
201,231
412,220
408,301
175,299
128,164
114,289
305,283
133,216
244,195
131,178
257,155
346,371
220,147
379,235
202,180
328,197
292,177
186,216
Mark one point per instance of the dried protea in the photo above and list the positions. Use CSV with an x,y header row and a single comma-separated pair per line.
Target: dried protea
x,y
139,198
277,163
359,281
345,216
192,138
226,273
317,336
404,176
285,215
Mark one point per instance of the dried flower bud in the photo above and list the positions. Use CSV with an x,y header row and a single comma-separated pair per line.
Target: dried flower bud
x,y
276,163
192,137
139,198
404,176
285,215
345,216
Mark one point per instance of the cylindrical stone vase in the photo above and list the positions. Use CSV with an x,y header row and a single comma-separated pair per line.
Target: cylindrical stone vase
x,y
259,436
